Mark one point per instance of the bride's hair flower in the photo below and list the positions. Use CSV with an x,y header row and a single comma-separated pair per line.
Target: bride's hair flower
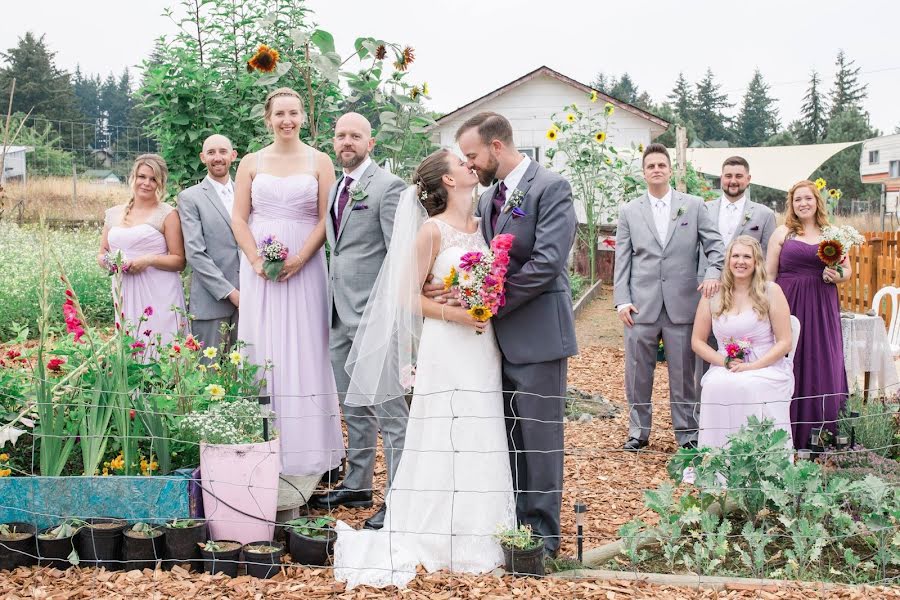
x,y
265,59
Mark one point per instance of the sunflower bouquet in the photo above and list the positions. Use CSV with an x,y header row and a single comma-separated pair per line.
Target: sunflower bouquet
x,y
273,253
836,243
480,278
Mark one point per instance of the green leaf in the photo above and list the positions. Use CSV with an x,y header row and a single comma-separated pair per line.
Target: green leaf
x,y
299,36
283,67
323,40
267,80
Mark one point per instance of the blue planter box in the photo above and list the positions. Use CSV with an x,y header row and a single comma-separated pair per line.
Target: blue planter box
x,y
44,501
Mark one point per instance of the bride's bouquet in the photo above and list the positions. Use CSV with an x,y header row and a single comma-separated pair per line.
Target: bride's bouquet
x,y
273,253
480,278
836,243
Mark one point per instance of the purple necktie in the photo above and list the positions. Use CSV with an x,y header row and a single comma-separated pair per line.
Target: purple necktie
x,y
499,201
343,199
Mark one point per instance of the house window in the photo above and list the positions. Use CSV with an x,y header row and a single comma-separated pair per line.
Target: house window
x,y
873,157
532,152
894,168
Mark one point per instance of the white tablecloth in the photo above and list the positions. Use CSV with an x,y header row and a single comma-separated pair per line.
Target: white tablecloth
x,y
866,349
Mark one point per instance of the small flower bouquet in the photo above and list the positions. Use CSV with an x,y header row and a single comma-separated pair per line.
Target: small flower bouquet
x,y
115,262
737,349
836,243
273,253
480,278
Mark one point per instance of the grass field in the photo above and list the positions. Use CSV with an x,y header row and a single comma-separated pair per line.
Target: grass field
x,y
58,198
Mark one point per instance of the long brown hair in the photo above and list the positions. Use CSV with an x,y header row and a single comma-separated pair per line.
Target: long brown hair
x,y
428,180
157,164
791,220
758,297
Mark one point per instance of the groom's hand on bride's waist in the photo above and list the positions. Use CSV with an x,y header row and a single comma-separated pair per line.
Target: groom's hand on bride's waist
x,y
438,293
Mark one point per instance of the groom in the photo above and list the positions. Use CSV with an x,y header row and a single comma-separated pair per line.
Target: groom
x,y
361,208
536,328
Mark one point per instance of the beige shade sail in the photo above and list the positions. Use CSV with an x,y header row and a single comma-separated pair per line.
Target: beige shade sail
x,y
777,167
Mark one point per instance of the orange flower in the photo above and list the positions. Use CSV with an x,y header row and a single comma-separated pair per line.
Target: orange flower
x,y
380,52
405,59
265,59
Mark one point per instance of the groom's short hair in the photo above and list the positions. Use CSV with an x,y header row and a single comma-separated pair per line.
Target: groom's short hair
x,y
491,126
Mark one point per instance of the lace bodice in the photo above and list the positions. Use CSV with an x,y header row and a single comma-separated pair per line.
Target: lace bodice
x,y
113,216
451,237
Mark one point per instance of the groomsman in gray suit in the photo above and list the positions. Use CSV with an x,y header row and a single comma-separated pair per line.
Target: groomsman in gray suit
x,y
209,245
658,244
535,329
361,205
735,214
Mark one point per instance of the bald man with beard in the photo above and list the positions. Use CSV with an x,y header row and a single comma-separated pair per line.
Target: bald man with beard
x,y
210,247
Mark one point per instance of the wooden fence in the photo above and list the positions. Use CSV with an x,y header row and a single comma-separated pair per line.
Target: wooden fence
x,y
874,265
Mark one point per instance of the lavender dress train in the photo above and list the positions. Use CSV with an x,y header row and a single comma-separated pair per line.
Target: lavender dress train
x,y
159,290
287,323
820,382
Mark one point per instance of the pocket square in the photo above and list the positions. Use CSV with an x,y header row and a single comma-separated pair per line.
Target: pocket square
x,y
754,228
360,207
684,224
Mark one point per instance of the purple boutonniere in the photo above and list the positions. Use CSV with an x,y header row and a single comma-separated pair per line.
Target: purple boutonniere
x,y
518,213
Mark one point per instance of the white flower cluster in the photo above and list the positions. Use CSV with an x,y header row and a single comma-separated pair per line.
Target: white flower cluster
x,y
238,422
846,235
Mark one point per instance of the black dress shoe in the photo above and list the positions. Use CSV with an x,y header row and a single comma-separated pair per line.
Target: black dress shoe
x,y
376,521
341,496
634,444
332,477
692,445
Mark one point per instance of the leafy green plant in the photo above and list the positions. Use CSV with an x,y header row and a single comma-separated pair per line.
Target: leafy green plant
x,y
710,546
631,534
875,428
182,523
311,527
237,422
520,538
756,540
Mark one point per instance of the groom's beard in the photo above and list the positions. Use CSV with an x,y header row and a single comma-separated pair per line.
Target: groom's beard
x,y
487,175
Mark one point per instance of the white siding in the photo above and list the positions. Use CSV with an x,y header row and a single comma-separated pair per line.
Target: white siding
x,y
14,165
888,148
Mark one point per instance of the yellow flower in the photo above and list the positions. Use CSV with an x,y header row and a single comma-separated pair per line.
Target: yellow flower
x,y
210,352
552,134
570,118
609,109
216,391
820,184
480,313
425,88
265,59
5,472
215,367
449,279
201,368
600,137
105,471
414,92
594,95
641,148
4,457
608,160
833,193
235,358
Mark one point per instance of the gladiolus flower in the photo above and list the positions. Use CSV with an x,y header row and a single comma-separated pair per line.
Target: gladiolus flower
x,y
56,363
265,59
148,332
137,347
148,311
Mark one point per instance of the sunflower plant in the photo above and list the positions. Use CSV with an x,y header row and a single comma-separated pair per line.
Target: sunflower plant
x,y
602,176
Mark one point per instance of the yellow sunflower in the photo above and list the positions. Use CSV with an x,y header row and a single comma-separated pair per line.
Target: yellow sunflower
x,y
600,137
450,279
609,109
820,184
594,95
833,193
640,148
480,313
570,118
552,134
265,59
425,88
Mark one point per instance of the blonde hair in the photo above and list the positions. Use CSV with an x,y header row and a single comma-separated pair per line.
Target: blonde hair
x,y
758,297
157,164
791,220
281,92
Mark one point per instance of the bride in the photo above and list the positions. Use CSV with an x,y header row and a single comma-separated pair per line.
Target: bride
x,y
453,488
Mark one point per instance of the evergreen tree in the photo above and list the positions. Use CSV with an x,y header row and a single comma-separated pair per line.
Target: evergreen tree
x,y
813,117
682,98
842,169
847,92
625,89
603,82
758,119
39,83
709,114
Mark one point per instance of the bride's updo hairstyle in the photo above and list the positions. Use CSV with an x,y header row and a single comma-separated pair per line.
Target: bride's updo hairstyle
x,y
427,179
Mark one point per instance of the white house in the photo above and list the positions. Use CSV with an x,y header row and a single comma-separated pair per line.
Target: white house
x,y
879,162
14,166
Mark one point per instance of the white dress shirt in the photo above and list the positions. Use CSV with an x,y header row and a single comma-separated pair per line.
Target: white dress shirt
x,y
225,193
662,208
512,179
730,215
356,174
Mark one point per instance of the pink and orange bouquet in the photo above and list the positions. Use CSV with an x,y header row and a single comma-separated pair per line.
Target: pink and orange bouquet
x,y
737,349
273,253
480,278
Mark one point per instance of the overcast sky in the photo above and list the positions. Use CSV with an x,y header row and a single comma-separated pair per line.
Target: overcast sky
x,y
467,49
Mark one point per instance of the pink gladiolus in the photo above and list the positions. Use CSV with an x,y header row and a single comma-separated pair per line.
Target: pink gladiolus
x,y
148,332
148,311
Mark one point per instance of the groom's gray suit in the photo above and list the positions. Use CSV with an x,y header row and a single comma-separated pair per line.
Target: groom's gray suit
x,y
358,248
659,277
536,334
215,260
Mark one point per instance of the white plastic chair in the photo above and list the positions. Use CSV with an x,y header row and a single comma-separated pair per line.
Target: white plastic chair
x,y
893,328
795,337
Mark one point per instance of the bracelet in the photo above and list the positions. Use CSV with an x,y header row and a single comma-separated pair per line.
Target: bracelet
x,y
443,306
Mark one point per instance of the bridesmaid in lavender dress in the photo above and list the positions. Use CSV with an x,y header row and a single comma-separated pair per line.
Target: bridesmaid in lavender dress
x,y
820,388
282,190
148,233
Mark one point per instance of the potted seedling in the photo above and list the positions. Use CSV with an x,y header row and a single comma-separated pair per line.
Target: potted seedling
x,y
181,539
522,551
100,542
143,546
263,559
56,545
17,545
311,539
221,556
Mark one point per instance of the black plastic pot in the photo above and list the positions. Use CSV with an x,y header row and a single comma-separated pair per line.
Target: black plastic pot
x,y
142,552
525,562
311,551
55,552
225,561
181,545
100,543
263,565
18,552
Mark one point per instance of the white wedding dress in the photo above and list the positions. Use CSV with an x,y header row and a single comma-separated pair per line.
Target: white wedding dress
x,y
453,489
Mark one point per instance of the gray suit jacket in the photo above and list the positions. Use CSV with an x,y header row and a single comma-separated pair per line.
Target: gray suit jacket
x,y
758,222
360,244
211,251
650,272
536,324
